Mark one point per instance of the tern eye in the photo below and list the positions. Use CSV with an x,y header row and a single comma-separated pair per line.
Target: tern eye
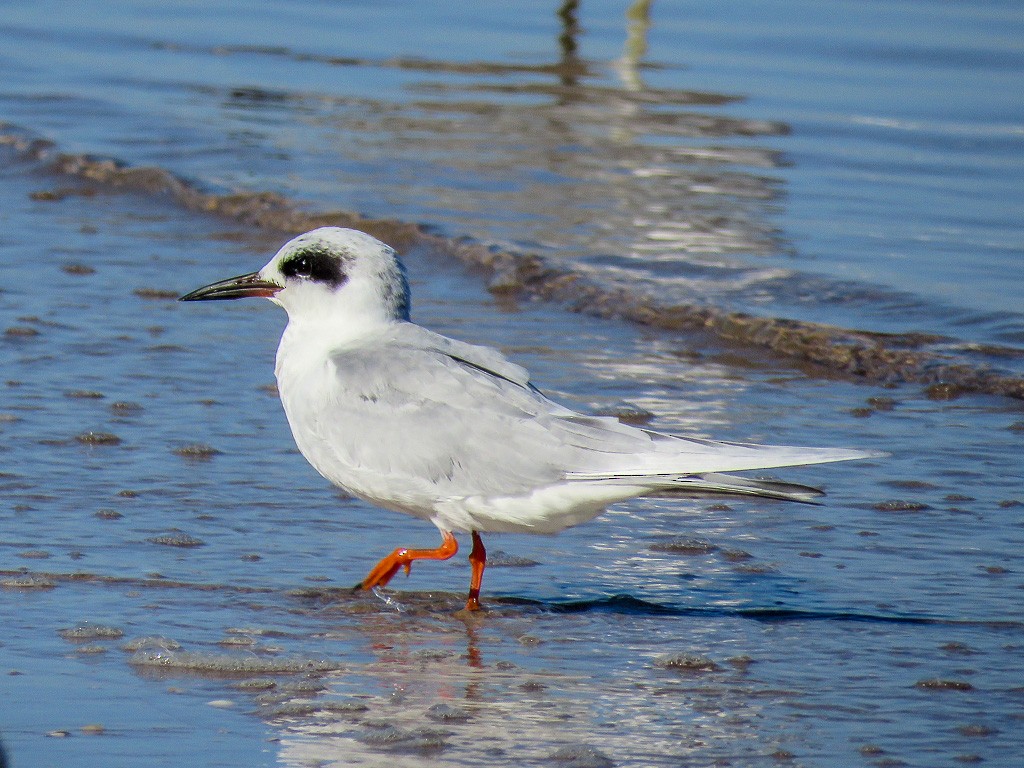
x,y
316,265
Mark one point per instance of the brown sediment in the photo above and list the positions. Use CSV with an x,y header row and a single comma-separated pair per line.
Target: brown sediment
x,y
156,294
90,632
98,438
78,269
22,577
684,546
196,452
567,70
228,665
937,684
177,539
686,663
877,357
899,505
18,581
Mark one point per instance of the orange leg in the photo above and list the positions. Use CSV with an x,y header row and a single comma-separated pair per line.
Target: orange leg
x,y
477,561
402,558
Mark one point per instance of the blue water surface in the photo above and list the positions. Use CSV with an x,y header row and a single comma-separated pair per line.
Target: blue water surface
x,y
858,164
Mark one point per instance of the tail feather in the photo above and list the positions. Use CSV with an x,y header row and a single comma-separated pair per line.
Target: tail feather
x,y
716,482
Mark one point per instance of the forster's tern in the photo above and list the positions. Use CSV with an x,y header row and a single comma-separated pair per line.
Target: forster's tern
x,y
454,433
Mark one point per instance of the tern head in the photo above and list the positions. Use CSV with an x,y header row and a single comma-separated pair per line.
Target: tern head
x,y
329,273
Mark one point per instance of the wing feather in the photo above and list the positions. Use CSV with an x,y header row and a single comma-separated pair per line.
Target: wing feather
x,y
416,418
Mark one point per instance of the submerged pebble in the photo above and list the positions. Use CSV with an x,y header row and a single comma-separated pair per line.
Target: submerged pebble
x,y
176,540
959,648
446,713
227,664
78,269
60,193
125,407
308,687
976,731
35,554
742,663
89,650
735,555
98,438
410,741
686,662
684,546
260,631
255,684
196,452
309,707
157,294
580,756
755,569
944,390
236,640
910,485
500,559
151,642
882,403
28,582
937,684
88,632
899,505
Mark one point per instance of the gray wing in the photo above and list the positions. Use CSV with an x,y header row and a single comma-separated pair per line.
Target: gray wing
x,y
450,419
423,409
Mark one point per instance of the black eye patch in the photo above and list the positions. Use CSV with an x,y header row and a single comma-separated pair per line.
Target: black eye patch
x,y
315,264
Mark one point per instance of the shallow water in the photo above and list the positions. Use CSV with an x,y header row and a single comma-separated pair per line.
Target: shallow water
x,y
880,628
847,163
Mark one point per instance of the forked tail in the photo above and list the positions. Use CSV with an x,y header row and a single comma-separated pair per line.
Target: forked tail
x,y
716,482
